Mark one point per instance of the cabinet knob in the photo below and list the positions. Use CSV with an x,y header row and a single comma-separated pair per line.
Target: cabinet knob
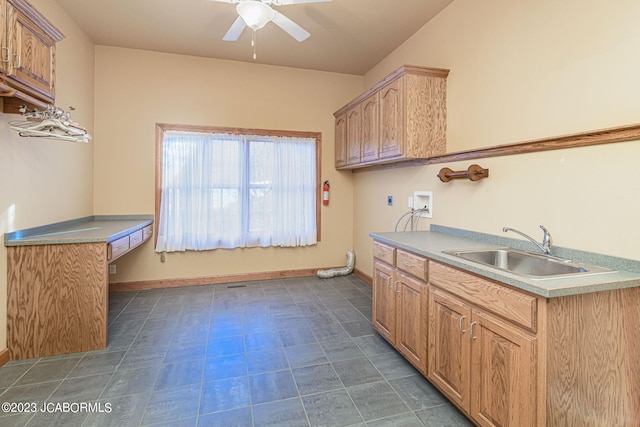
x,y
471,330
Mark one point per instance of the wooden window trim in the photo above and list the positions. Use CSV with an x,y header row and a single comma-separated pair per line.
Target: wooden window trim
x,y
161,128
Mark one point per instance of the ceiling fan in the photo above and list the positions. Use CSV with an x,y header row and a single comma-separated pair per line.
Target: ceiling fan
x,y
255,14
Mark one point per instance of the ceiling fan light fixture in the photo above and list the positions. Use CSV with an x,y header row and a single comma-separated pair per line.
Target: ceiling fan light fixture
x,y
255,13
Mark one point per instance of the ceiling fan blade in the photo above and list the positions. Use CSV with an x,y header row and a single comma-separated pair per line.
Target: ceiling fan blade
x,y
236,29
286,2
290,27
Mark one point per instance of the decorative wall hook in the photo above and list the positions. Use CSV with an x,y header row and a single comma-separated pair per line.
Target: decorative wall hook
x,y
474,173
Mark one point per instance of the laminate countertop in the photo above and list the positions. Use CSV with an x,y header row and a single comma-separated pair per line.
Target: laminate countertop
x,y
91,229
431,244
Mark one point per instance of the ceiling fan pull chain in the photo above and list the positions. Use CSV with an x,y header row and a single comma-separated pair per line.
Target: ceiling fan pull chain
x,y
253,44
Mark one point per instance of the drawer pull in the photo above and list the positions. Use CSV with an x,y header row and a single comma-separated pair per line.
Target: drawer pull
x,y
471,330
395,287
462,331
407,264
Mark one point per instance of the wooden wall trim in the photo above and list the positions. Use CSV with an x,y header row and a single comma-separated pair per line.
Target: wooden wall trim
x,y
4,356
363,276
582,139
210,280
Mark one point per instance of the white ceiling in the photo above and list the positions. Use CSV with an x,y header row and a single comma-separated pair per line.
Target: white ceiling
x,y
347,36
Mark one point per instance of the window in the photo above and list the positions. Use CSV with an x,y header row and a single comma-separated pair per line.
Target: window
x,y
230,188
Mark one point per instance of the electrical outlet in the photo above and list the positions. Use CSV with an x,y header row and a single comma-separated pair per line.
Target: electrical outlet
x,y
389,200
410,202
112,269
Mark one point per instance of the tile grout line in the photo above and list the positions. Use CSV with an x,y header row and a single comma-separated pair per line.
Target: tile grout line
x,y
115,370
247,303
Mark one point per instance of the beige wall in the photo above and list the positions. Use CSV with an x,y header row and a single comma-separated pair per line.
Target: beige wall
x,y
520,71
137,89
44,181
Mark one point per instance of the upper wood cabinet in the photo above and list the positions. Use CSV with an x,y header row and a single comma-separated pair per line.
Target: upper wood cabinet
x,y
392,119
354,133
403,117
341,140
370,125
28,55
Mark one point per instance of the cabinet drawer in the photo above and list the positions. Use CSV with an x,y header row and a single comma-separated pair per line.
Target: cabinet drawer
x,y
412,264
384,253
135,239
509,303
117,248
147,232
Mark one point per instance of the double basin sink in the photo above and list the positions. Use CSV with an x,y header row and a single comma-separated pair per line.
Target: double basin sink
x,y
526,264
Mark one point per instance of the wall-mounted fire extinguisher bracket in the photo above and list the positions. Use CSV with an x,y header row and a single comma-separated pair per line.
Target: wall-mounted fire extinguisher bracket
x,y
325,193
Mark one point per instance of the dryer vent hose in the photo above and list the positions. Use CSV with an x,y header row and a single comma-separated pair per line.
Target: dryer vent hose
x,y
342,271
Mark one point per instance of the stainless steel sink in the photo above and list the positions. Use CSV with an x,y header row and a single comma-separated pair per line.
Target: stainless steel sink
x,y
536,266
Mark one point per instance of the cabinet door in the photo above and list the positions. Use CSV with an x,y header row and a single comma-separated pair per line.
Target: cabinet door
x,y
58,299
354,135
370,128
384,305
341,141
4,42
411,323
502,373
392,120
449,346
32,53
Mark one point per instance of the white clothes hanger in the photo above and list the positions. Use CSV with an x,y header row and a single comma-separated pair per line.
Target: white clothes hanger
x,y
51,123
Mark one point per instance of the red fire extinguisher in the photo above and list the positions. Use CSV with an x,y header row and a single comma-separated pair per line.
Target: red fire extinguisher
x,y
325,193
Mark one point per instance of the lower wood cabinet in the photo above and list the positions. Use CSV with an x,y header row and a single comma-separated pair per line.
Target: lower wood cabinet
x,y
411,327
384,301
57,295
57,299
400,312
483,364
449,346
474,339
506,357
503,373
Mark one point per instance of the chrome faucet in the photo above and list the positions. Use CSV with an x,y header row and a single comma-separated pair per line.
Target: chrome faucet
x,y
545,247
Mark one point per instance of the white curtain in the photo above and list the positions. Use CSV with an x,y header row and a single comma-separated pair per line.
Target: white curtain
x,y
228,191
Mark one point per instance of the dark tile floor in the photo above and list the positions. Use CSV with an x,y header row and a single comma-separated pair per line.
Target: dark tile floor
x,y
293,352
